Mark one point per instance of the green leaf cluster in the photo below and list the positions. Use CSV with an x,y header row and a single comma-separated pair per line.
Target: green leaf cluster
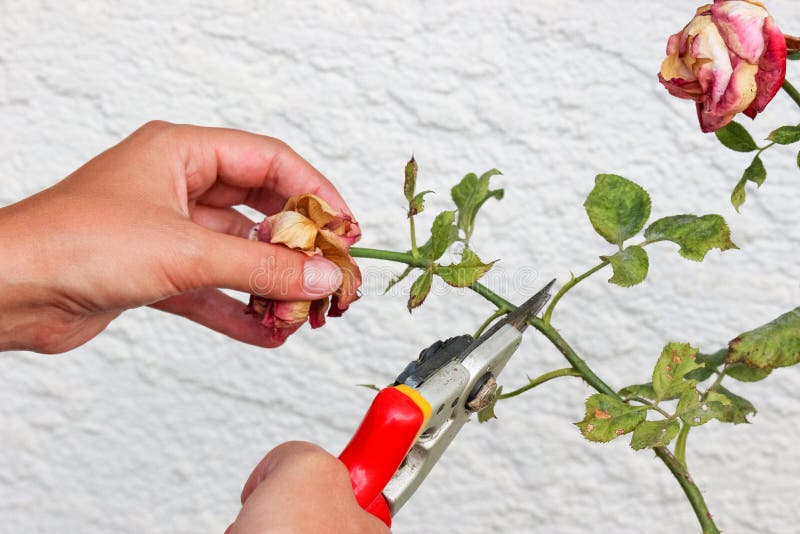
x,y
749,357
469,195
753,355
619,209
736,137
676,375
449,227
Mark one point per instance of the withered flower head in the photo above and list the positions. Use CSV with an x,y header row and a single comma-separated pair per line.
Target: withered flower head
x,y
310,224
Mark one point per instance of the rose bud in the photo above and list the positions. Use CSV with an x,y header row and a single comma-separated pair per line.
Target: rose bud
x,y
730,58
309,224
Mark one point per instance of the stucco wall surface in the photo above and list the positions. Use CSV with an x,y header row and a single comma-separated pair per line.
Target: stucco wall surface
x,y
154,425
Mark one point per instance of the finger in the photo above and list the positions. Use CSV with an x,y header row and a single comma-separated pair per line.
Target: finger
x,y
272,271
247,160
299,487
222,220
222,195
215,310
280,455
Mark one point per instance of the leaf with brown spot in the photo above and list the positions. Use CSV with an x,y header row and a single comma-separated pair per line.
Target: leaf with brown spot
x,y
606,418
669,375
775,344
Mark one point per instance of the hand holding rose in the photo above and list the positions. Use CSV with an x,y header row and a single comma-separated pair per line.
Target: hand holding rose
x,y
151,222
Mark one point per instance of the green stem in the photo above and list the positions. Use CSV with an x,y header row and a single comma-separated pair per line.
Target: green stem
x,y
716,382
539,381
763,148
677,469
793,93
488,321
572,357
690,489
680,444
649,405
566,287
414,250
389,255
492,297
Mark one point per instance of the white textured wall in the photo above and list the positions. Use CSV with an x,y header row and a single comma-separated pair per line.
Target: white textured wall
x,y
154,425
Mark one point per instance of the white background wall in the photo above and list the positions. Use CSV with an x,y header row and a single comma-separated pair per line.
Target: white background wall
x,y
154,425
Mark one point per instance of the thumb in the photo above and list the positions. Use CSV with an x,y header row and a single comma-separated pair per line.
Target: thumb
x,y
271,271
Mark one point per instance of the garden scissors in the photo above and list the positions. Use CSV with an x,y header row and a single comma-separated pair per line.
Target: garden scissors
x,y
411,423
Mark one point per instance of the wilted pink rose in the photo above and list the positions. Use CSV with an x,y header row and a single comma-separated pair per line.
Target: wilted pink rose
x,y
730,58
309,224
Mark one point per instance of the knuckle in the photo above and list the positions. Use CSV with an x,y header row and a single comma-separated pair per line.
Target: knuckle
x,y
312,458
155,126
279,144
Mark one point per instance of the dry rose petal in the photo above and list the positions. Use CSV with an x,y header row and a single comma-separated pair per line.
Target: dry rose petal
x,y
730,58
309,224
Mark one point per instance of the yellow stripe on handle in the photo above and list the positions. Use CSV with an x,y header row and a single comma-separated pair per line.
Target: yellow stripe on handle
x,y
418,399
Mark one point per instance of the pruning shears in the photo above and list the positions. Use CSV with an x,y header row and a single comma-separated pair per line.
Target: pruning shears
x,y
411,423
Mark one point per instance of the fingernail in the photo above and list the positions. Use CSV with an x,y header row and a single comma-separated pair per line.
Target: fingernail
x,y
320,277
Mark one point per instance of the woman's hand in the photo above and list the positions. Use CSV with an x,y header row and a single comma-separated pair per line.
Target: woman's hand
x,y
299,488
150,222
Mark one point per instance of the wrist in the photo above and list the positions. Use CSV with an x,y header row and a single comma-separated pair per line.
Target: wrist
x,y
21,289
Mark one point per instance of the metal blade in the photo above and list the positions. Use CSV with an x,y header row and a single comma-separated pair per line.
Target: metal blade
x,y
519,317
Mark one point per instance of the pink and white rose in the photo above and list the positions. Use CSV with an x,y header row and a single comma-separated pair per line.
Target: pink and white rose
x,y
731,58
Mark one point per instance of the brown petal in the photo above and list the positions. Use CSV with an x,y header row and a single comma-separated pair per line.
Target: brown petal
x,y
292,229
291,313
312,207
334,249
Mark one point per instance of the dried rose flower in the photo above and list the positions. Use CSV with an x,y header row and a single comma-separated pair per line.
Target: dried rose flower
x,y
309,224
730,58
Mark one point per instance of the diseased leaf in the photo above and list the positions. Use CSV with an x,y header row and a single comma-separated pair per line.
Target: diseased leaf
x,y
710,363
736,137
420,289
775,344
695,411
739,408
739,195
785,135
741,372
719,404
629,265
756,173
469,195
695,235
606,418
676,360
417,204
617,208
443,234
654,434
466,272
410,183
488,413
398,278
638,390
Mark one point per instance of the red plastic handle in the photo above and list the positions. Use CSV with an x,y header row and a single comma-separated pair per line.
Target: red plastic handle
x,y
386,434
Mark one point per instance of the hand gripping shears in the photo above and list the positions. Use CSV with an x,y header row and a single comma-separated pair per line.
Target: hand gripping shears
x,y
411,423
